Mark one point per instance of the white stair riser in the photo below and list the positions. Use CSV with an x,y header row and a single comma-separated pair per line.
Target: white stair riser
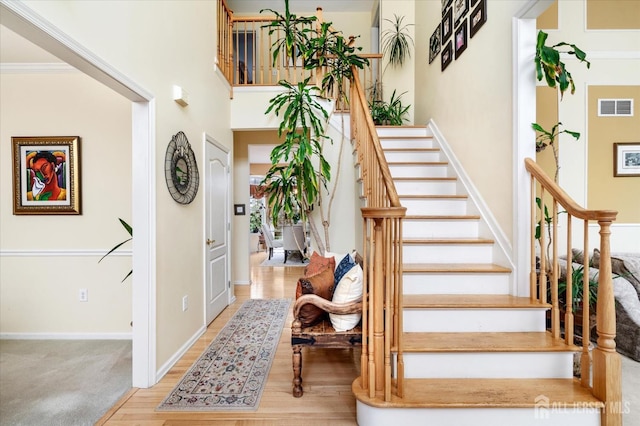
x,y
399,142
368,415
447,253
460,283
404,131
489,365
473,320
424,156
433,228
435,206
422,170
426,187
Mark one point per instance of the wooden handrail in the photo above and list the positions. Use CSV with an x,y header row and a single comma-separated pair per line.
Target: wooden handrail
x,y
606,365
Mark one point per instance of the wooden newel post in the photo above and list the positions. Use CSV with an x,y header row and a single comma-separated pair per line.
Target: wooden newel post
x,y
378,304
606,361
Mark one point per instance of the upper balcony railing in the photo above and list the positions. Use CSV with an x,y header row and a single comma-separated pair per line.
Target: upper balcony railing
x,y
245,55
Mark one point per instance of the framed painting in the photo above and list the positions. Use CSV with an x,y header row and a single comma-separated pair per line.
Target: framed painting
x,y
447,26
434,44
445,5
445,56
626,159
46,175
461,38
460,8
477,18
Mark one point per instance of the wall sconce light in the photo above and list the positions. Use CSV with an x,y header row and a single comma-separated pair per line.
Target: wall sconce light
x,y
180,96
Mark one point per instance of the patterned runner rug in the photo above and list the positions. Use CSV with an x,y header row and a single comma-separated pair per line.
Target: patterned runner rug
x,y
231,374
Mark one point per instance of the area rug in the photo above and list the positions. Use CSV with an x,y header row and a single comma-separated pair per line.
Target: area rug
x,y
231,373
294,259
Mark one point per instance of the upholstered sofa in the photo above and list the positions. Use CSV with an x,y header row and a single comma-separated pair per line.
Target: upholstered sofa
x,y
626,289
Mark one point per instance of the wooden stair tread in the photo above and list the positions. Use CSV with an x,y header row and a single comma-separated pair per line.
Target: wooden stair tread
x,y
470,301
485,342
454,267
483,393
454,240
442,217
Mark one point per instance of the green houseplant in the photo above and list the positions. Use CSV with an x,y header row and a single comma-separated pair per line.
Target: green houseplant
x,y
396,41
129,230
390,113
299,170
550,67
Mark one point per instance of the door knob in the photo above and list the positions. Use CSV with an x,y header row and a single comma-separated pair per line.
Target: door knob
x,y
209,242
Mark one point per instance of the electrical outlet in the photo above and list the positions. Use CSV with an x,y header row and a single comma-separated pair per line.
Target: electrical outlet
x,y
185,303
83,295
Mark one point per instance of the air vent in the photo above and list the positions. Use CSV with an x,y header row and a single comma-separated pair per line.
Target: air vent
x,y
615,107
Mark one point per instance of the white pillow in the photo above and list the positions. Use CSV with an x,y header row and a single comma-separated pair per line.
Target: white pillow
x,y
348,290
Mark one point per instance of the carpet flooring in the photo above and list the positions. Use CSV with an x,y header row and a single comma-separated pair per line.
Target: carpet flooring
x,y
61,382
231,373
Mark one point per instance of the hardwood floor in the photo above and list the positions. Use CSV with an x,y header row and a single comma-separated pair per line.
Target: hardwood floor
x,y
327,373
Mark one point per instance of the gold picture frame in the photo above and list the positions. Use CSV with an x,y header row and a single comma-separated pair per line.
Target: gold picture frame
x,y
46,175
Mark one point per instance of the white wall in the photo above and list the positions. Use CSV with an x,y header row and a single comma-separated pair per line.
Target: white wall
x,y
46,259
157,45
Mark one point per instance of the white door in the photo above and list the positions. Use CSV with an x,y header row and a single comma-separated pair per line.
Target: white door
x,y
217,281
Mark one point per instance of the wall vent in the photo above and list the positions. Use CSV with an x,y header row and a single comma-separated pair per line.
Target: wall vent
x,y
615,107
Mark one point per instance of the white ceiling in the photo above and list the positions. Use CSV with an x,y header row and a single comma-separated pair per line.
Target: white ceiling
x,y
301,6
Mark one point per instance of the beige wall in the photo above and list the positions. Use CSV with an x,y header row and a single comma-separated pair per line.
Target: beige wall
x,y
604,190
471,101
613,14
158,45
46,259
547,117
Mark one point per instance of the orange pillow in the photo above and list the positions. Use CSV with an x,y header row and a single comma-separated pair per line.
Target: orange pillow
x,y
318,264
321,284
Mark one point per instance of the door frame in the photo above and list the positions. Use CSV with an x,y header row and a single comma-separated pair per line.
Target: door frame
x,y
206,138
25,22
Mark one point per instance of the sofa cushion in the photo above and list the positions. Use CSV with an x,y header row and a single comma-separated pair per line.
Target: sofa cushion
x,y
320,284
626,265
349,289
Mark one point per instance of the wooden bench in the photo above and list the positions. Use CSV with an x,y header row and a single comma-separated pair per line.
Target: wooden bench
x,y
321,335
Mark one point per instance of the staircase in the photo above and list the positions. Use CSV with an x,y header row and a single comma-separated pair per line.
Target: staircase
x,y
473,354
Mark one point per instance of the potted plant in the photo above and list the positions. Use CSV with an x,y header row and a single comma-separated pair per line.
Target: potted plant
x,y
550,67
396,41
390,113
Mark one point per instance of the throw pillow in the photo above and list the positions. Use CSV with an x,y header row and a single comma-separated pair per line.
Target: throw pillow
x,y
339,257
318,264
349,289
321,285
345,266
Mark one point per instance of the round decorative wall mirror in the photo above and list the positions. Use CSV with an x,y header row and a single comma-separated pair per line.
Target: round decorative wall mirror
x,y
181,170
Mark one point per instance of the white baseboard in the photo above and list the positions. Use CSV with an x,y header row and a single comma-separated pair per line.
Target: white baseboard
x,y
65,336
179,354
242,282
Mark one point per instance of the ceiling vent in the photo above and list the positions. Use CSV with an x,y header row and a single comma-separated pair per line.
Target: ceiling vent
x,y
615,107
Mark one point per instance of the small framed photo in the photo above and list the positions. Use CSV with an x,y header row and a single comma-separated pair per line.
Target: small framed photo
x,y
445,5
460,8
445,56
46,175
434,44
447,26
478,17
626,159
461,39
238,209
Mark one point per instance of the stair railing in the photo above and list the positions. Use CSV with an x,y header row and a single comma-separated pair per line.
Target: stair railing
x,y
245,56
606,365
382,246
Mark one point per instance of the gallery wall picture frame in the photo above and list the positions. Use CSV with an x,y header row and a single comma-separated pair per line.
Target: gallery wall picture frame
x,y
434,44
239,209
446,55
477,18
445,5
626,159
460,9
447,26
46,175
460,39
472,3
